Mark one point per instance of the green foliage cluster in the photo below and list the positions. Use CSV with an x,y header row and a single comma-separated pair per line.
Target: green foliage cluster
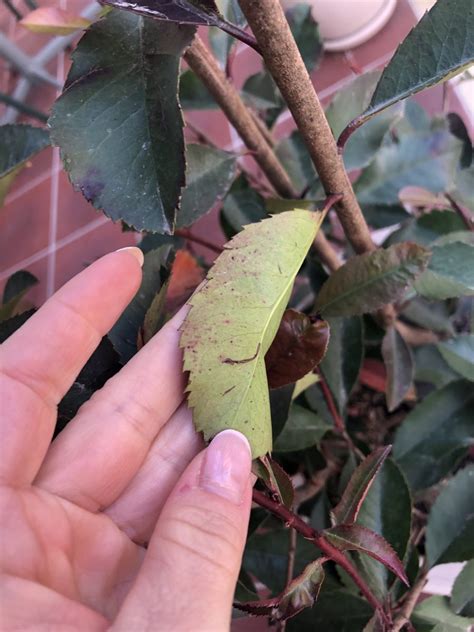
x,y
334,407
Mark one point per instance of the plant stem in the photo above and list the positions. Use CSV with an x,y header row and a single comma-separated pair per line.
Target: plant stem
x,y
338,423
186,234
403,617
295,522
243,119
282,57
201,61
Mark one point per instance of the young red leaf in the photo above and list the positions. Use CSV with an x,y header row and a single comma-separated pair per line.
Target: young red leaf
x,y
347,509
300,593
186,275
299,346
355,537
275,479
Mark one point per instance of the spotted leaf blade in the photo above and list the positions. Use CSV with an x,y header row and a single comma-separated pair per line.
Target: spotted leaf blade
x,y
232,323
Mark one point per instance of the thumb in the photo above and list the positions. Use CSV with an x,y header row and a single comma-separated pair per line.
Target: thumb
x,y
188,578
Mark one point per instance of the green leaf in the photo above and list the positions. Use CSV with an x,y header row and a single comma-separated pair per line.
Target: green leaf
x,y
298,347
209,174
429,315
432,368
435,435
303,429
462,595
9,326
118,122
242,205
275,479
427,159
387,511
18,143
233,321
261,92
294,156
305,30
436,611
398,361
15,289
368,281
440,46
450,528
193,94
428,228
343,360
362,479
459,354
348,103
220,41
280,402
383,215
450,272
125,333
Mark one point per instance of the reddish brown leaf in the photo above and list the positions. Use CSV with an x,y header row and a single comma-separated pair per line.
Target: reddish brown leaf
x,y
355,537
275,479
186,275
347,509
300,593
299,346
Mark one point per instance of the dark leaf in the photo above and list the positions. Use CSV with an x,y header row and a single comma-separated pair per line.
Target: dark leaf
x,y
462,595
198,12
435,615
383,215
124,334
398,361
348,103
431,367
437,48
294,156
428,228
153,241
15,289
368,281
19,143
299,346
266,557
358,538
305,30
436,434
450,528
300,593
458,129
121,102
336,611
193,94
261,92
155,317
459,354
302,430
9,326
209,175
275,479
280,402
347,510
242,205
450,272
220,41
245,589
343,360
387,511
429,315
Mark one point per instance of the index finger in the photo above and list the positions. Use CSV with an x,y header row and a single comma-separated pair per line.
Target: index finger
x,y
39,363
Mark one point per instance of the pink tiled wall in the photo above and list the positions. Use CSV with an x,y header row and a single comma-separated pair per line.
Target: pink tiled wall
x,y
52,231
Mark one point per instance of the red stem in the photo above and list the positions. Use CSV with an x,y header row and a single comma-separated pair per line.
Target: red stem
x,y
186,234
338,422
317,538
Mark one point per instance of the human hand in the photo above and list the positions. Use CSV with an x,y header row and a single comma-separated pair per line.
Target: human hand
x,y
128,471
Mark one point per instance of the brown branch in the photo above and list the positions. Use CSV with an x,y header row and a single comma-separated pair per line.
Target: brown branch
x,y
202,62
280,52
186,234
403,617
295,522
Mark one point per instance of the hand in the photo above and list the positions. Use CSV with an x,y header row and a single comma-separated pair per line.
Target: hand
x,y
128,471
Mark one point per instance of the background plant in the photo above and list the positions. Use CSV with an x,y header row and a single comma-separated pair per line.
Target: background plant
x,y
346,520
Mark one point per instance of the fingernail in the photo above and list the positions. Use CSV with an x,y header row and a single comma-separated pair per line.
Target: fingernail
x,y
226,466
135,252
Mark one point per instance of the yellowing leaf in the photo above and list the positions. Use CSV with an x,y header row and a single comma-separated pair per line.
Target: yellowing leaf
x,y
233,320
53,21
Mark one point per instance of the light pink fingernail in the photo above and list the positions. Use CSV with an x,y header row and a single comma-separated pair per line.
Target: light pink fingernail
x,y
135,252
226,466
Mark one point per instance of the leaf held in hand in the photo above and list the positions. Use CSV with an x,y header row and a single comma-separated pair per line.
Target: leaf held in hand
x,y
299,346
232,323
358,538
347,510
368,281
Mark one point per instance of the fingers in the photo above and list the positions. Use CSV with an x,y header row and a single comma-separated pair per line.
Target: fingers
x,y
40,361
96,456
136,511
190,571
